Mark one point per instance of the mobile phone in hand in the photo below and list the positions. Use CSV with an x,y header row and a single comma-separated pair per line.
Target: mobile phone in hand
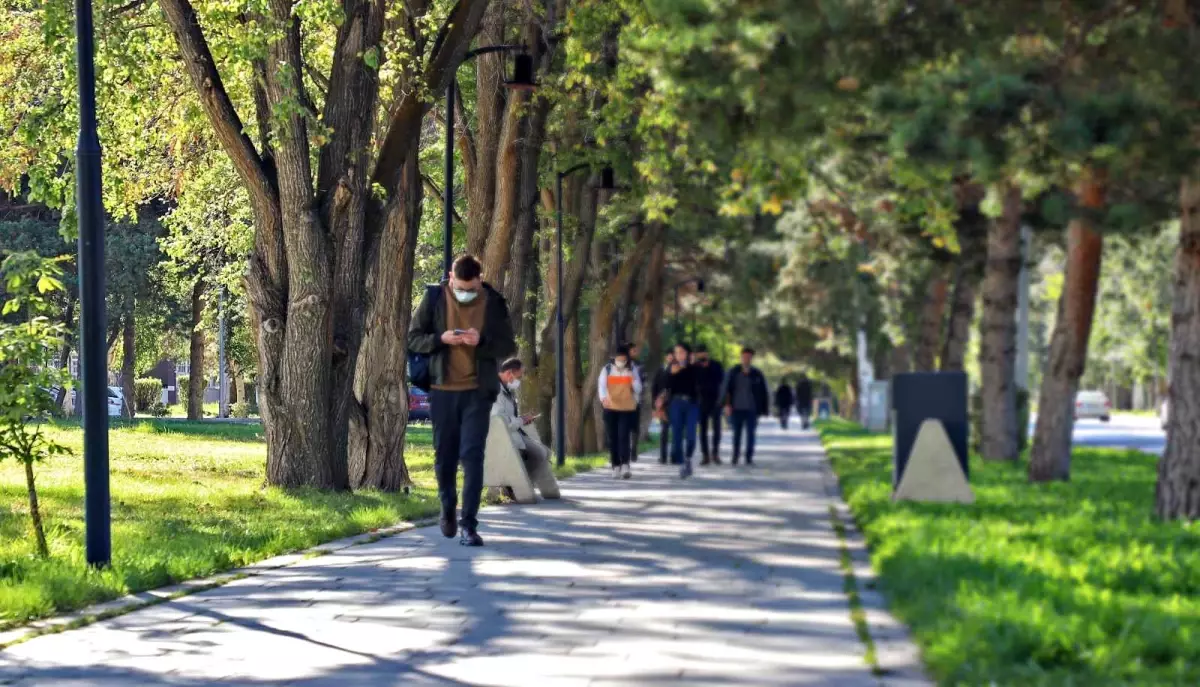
x,y
460,332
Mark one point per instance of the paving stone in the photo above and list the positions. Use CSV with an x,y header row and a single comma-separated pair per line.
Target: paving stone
x,y
730,578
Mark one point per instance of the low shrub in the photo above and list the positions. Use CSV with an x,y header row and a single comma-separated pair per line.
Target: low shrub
x,y
146,393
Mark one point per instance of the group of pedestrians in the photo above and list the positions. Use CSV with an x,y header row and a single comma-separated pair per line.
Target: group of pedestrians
x,y
801,399
463,340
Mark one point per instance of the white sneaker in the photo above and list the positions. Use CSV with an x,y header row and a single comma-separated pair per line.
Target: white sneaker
x,y
616,473
628,473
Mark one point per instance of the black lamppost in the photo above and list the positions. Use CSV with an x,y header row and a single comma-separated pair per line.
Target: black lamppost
x,y
522,81
607,183
699,282
93,359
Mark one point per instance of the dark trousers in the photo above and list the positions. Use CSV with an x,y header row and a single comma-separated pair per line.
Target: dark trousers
x,y
784,413
635,435
744,421
710,420
685,415
619,424
460,427
664,439
805,415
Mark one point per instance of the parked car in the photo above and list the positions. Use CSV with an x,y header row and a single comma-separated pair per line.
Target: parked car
x,y
418,406
1092,405
1164,413
116,401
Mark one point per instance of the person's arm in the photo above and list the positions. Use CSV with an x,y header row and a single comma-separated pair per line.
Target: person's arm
x,y
497,340
602,384
637,382
423,336
723,396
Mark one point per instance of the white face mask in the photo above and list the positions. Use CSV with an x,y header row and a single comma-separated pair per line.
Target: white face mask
x,y
465,296
514,385
621,364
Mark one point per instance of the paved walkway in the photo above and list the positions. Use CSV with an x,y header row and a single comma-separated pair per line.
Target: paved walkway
x,y
731,578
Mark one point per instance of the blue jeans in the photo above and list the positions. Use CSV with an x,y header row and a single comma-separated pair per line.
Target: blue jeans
x,y
685,415
747,421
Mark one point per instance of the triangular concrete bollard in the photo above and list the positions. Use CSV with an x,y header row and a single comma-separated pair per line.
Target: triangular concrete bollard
x,y
932,472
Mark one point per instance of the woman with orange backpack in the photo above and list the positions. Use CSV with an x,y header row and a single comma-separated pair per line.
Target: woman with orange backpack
x,y
620,387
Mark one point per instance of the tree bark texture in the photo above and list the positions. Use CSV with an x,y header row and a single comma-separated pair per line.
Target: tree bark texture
x,y
35,512
650,332
1177,494
998,332
64,353
196,382
306,279
972,236
933,316
128,359
377,429
1050,458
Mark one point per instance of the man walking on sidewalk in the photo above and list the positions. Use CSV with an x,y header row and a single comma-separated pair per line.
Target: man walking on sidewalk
x,y
712,376
659,390
783,402
746,399
804,399
463,326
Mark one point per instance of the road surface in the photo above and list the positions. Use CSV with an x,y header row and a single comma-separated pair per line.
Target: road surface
x,y
1124,431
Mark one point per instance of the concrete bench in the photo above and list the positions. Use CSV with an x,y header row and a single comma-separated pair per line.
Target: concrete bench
x,y
505,466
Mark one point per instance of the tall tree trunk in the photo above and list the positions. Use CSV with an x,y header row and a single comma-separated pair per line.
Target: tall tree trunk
x,y
968,273
196,381
527,221
127,364
576,429
1177,494
998,335
481,149
377,430
64,353
1050,458
933,317
650,327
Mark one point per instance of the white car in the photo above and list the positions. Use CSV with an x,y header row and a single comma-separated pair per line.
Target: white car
x,y
1092,405
116,401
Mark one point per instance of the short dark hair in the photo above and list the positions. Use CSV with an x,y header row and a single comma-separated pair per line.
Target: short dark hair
x,y
683,345
748,349
467,268
623,349
511,364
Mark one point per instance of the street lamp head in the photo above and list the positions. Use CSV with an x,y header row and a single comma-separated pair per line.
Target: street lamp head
x,y
522,74
608,179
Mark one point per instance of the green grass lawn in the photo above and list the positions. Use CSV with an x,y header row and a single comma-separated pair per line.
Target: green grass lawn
x,y
1061,584
188,500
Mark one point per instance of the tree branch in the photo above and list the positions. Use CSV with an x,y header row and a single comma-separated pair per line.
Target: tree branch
x,y
448,52
198,61
432,189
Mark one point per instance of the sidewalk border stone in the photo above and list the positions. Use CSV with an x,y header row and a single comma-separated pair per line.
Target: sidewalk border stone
x,y
898,657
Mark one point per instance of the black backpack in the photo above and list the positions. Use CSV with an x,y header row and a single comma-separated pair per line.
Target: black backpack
x,y
420,373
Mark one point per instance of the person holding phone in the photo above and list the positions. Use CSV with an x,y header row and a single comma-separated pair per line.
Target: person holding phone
x,y
532,450
463,326
620,387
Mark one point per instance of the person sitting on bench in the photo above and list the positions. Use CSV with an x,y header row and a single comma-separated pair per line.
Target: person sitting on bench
x,y
533,451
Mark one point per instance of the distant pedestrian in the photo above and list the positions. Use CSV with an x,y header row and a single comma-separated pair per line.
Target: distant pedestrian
x,y
464,328
635,438
783,402
683,389
746,399
804,399
619,388
712,375
659,391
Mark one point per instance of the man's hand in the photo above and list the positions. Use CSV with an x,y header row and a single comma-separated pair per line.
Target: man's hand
x,y
607,403
470,337
527,418
451,339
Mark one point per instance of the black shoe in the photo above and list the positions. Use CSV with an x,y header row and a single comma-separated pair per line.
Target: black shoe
x,y
448,525
470,537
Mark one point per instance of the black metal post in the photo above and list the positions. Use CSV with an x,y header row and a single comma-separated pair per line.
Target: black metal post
x,y
448,182
560,439
92,324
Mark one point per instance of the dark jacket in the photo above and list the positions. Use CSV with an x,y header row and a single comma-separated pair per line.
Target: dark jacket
x,y
711,379
496,340
660,381
783,396
758,383
804,393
